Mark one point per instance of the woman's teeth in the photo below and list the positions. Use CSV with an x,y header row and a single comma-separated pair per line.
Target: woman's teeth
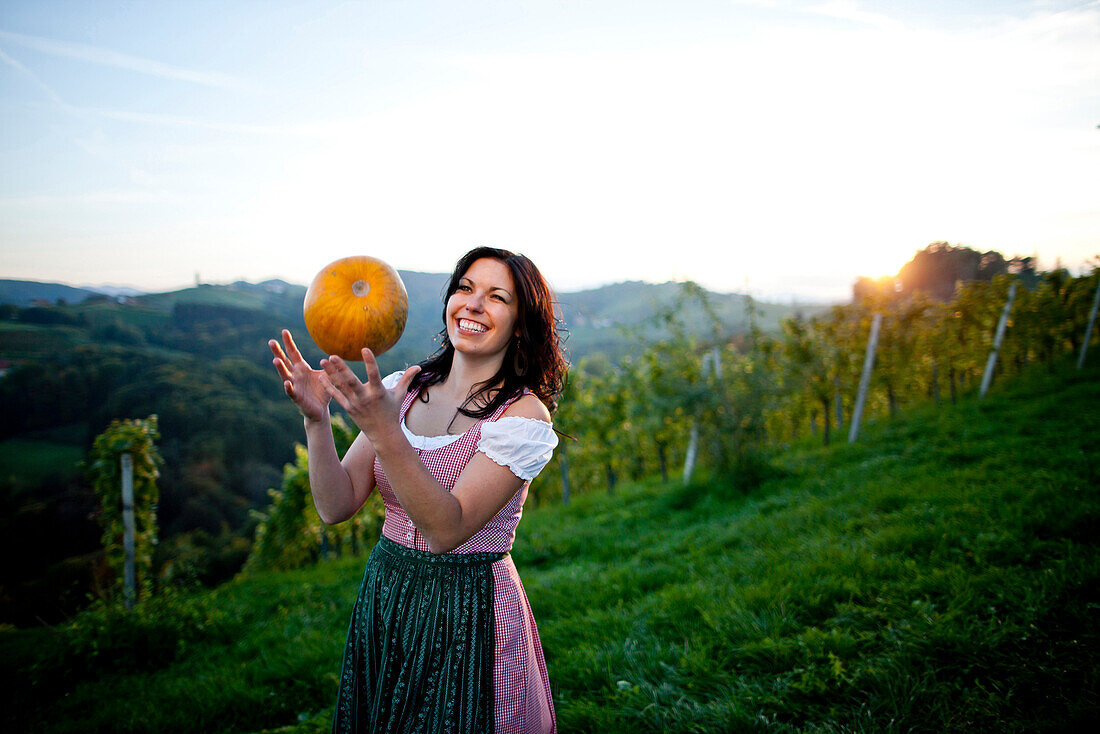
x,y
470,325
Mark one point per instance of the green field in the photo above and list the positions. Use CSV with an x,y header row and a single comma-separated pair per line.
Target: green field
x,y
141,315
34,461
32,341
207,295
940,575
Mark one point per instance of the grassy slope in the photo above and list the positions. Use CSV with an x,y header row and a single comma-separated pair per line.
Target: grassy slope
x,y
33,341
941,574
606,319
33,461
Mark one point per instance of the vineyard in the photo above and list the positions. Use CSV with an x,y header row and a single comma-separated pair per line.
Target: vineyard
x,y
694,398
940,574
742,400
713,547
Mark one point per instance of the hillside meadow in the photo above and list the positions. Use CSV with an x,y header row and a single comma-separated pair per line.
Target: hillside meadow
x,y
73,361
939,575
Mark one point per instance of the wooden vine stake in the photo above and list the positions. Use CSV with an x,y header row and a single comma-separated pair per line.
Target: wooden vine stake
x,y
1088,329
990,363
692,450
129,529
865,378
693,437
123,466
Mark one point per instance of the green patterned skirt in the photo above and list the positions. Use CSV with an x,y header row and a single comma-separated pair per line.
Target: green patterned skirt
x,y
419,655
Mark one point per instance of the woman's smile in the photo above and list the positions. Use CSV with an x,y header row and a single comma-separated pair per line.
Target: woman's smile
x,y
483,310
473,326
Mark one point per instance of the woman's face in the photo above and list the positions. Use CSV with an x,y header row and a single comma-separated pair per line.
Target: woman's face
x,y
482,313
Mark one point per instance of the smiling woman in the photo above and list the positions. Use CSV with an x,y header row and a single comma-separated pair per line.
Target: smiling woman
x,y
482,311
442,637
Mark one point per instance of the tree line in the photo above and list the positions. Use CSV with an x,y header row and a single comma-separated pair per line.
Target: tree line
x,y
746,397
734,401
691,390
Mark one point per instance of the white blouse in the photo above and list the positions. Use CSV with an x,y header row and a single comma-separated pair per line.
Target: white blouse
x,y
524,445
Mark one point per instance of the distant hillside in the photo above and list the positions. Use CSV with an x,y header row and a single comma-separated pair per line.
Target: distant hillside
x,y
606,319
611,318
25,293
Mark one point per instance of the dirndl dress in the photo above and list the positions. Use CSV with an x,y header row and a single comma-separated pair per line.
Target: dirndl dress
x,y
447,642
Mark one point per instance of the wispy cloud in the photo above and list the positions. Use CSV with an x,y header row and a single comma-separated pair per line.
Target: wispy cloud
x,y
147,118
108,57
46,88
849,10
151,118
105,196
839,9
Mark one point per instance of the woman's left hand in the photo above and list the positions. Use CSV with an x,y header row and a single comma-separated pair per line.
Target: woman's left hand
x,y
371,406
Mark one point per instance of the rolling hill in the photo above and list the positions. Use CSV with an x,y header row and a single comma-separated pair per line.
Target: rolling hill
x,y
198,358
939,575
606,319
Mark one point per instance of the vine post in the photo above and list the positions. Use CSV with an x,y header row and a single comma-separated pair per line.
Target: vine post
x,y
865,378
124,465
128,527
987,376
1088,329
692,454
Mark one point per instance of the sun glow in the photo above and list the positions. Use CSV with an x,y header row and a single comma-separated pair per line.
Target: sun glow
x,y
789,154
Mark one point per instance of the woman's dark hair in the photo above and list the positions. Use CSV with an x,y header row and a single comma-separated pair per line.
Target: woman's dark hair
x,y
535,359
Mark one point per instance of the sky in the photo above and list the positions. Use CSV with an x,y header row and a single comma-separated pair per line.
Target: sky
x,y
774,147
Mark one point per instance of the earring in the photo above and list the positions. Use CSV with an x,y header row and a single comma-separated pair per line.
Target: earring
x,y
519,362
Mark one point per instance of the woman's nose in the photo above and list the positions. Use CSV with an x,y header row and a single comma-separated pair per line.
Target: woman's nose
x,y
474,303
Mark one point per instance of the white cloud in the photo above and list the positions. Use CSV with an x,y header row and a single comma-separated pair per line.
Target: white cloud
x,y
108,57
160,119
794,155
842,152
42,86
105,196
848,10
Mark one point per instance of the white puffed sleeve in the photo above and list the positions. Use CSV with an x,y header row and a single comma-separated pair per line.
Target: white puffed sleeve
x,y
524,445
390,381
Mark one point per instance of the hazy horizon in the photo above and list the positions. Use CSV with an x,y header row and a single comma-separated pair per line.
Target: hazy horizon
x,y
108,287
780,148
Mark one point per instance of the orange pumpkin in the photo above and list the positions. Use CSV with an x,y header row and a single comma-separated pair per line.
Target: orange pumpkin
x,y
353,303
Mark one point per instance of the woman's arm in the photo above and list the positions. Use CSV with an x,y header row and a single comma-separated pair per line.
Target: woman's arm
x,y
339,487
446,519
449,519
335,494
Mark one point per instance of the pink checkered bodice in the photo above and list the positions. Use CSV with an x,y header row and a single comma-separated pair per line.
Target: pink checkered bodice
x,y
445,464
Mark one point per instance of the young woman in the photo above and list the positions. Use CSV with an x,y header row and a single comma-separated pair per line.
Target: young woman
x,y
442,637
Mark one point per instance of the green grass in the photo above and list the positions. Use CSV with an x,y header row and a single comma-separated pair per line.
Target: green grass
x,y
143,316
33,341
33,461
206,295
939,575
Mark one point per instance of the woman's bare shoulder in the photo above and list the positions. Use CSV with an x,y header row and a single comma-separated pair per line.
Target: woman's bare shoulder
x,y
528,406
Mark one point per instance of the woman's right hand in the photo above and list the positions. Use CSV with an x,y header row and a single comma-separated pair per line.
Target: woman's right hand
x,y
303,384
